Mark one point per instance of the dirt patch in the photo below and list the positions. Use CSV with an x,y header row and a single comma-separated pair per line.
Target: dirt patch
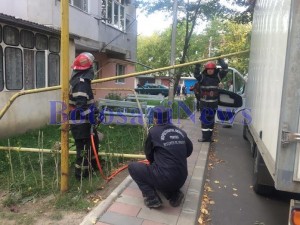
x,y
41,211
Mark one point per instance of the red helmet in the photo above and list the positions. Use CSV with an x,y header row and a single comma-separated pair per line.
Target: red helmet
x,y
83,61
210,65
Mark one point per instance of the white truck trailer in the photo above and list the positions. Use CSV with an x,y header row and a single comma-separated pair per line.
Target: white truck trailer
x,y
273,97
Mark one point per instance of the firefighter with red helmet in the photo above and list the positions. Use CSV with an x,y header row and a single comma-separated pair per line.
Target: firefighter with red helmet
x,y
83,114
209,80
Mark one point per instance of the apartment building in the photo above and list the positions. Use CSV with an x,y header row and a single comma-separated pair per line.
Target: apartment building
x,y
30,52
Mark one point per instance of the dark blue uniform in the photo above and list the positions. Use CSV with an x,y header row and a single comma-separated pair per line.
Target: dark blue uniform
x,y
209,95
166,148
82,115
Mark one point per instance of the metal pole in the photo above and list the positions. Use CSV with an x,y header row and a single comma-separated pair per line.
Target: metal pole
x,y
173,50
64,185
51,151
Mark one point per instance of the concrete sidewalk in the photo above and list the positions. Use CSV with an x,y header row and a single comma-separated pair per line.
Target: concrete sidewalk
x,y
125,205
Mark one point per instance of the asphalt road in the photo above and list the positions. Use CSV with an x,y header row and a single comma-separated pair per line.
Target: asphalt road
x,y
233,202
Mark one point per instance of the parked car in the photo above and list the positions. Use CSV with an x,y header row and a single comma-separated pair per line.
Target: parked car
x,y
153,89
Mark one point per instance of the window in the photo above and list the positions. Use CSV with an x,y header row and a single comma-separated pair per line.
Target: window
x,y
28,69
120,70
28,60
81,4
54,45
1,69
53,70
27,39
41,42
0,33
11,35
239,84
114,13
40,70
13,68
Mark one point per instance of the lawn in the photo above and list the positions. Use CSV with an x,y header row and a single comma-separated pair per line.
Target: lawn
x,y
28,175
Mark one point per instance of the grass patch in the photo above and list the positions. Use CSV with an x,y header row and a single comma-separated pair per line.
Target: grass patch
x,y
28,175
181,109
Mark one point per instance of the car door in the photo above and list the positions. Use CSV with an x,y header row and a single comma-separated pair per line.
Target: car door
x,y
231,98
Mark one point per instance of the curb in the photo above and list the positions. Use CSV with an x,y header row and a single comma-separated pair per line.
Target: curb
x,y
97,212
191,209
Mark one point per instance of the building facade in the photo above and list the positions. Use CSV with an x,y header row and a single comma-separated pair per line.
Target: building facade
x,y
30,52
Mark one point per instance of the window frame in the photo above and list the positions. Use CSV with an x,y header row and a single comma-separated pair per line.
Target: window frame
x,y
84,7
5,27
112,15
38,68
21,74
51,68
118,73
2,81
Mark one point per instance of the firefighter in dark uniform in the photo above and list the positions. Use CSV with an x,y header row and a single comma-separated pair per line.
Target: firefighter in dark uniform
x,y
166,148
83,114
209,80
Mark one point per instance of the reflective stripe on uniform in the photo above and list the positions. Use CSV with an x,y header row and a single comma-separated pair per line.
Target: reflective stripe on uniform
x,y
205,100
86,112
80,94
207,129
209,87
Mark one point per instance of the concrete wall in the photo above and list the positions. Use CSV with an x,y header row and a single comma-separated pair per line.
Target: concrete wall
x,y
108,70
86,25
27,112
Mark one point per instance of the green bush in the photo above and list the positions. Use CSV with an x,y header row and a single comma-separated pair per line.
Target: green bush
x,y
181,109
114,96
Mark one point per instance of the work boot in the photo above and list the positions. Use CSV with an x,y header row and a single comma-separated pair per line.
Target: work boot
x,y
153,201
176,199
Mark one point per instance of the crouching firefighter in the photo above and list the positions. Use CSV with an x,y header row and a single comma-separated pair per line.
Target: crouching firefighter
x,y
166,148
209,81
84,116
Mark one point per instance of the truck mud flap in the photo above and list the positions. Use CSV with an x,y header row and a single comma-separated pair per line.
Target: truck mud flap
x,y
263,183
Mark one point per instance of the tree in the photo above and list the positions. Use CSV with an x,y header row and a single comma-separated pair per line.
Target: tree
x,y
228,37
247,15
191,13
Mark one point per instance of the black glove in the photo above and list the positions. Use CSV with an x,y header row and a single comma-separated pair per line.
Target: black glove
x,y
197,66
197,70
222,63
